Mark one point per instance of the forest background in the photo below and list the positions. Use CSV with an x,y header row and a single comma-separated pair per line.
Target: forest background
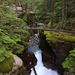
x,y
58,14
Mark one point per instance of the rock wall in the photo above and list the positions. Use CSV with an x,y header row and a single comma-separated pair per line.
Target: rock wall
x,y
62,49
49,56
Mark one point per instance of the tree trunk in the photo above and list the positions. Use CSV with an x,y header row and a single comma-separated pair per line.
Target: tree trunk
x,y
52,18
31,8
63,14
26,6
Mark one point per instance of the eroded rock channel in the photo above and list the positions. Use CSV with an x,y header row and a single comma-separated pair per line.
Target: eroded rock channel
x,y
45,57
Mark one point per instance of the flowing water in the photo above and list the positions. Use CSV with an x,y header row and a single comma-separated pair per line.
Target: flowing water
x,y
40,69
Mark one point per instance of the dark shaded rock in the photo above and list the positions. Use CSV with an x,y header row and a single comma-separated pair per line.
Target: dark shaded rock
x,y
62,50
48,54
29,59
49,57
55,66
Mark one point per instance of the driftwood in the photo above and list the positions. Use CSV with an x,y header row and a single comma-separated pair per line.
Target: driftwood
x,y
34,70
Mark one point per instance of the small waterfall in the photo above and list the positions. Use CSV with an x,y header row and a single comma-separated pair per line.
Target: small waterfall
x,y
40,69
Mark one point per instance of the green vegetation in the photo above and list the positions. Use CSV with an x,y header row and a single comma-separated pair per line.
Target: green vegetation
x,y
51,37
7,64
11,31
5,41
58,14
55,36
64,12
69,62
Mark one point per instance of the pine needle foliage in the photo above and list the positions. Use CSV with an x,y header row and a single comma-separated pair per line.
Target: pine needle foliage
x,y
11,31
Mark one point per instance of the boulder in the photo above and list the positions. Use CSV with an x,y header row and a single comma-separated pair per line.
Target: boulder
x,y
18,68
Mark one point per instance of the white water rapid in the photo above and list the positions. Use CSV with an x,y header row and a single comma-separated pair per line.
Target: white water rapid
x,y
40,69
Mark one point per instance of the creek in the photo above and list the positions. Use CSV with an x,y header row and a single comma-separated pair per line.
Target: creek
x,y
40,68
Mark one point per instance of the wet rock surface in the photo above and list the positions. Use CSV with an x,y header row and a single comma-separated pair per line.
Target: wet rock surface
x,y
29,60
54,66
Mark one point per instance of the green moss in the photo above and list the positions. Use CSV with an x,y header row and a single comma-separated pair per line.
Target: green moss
x,y
53,40
51,37
69,38
7,64
55,36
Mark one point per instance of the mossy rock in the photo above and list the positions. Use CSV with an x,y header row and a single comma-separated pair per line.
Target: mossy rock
x,y
51,37
7,64
56,36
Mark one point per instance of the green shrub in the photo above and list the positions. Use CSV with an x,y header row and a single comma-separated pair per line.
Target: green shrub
x,y
5,41
11,31
69,62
